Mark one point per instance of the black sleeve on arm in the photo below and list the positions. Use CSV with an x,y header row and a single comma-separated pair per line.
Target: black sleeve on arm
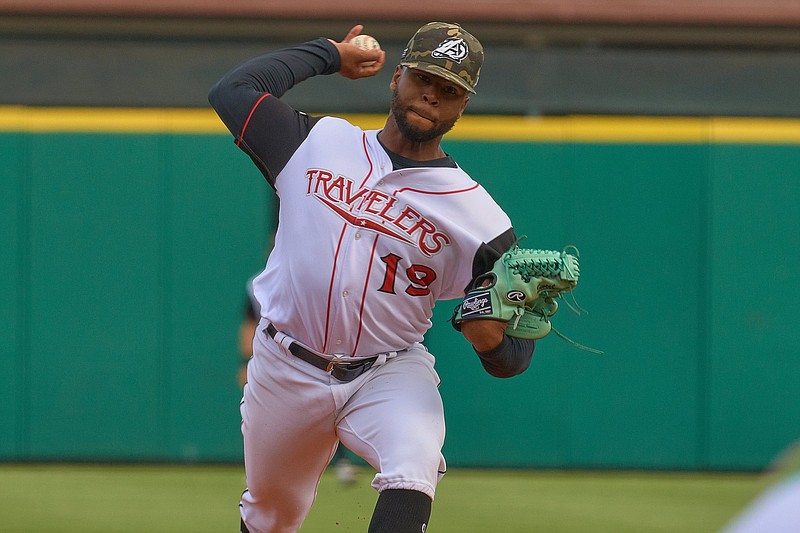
x,y
489,253
234,96
510,358
247,101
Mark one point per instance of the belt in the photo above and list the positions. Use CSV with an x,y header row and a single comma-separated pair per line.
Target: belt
x,y
341,370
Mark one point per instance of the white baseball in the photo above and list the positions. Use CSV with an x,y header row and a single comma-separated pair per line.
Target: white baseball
x,y
366,42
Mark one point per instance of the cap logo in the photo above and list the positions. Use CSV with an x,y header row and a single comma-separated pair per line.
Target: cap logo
x,y
454,49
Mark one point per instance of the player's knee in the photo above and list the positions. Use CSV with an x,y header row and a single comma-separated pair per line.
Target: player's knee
x,y
427,447
418,456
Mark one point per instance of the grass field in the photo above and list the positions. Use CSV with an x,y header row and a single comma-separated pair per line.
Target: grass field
x,y
51,498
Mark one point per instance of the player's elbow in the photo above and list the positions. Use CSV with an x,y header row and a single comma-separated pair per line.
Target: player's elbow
x,y
224,94
214,95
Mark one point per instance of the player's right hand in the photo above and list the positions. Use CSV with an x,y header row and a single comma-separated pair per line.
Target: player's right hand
x,y
355,62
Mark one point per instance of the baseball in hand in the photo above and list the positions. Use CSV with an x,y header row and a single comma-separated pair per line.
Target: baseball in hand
x,y
366,42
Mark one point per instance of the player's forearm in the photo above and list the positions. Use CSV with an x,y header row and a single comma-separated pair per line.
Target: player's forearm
x,y
484,335
274,73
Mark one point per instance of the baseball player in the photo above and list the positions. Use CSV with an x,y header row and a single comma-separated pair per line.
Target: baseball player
x,y
374,227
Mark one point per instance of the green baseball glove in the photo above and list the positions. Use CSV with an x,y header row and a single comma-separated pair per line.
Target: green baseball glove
x,y
521,289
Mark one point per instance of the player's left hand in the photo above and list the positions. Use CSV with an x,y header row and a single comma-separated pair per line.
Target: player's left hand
x,y
520,290
355,62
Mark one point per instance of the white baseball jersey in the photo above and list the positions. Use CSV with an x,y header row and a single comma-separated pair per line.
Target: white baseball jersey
x,y
361,246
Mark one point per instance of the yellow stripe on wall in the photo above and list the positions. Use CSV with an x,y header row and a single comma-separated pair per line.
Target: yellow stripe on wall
x,y
589,129
108,120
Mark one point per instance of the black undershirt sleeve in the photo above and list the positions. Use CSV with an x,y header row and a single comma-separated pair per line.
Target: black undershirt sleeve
x,y
489,253
274,73
511,357
247,99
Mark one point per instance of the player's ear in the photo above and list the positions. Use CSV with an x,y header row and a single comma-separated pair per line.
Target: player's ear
x,y
463,106
398,70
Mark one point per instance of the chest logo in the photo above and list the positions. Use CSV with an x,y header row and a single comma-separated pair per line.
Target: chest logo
x,y
375,210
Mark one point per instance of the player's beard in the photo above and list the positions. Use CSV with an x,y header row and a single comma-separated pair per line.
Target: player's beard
x,y
413,133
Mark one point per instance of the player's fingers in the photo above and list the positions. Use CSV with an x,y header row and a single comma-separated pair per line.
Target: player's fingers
x,y
372,66
355,30
357,63
373,59
380,61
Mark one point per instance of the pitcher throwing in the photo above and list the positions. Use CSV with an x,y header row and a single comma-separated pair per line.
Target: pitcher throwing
x,y
374,227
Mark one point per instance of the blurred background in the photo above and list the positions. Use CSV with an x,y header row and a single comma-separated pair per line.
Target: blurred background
x,y
660,137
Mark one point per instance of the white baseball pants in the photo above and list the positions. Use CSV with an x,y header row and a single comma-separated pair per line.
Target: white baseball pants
x,y
294,415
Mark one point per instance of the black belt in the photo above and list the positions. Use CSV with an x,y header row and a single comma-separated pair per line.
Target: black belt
x,y
343,371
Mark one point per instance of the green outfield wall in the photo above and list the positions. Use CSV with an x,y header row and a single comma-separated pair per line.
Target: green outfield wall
x,y
128,235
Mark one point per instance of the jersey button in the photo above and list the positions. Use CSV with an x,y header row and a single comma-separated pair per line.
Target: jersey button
x,y
345,294
358,236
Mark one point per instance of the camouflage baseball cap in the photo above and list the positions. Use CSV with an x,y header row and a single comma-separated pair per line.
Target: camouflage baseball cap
x,y
445,50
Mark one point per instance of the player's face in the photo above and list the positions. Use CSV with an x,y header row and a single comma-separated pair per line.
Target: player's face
x,y
425,106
